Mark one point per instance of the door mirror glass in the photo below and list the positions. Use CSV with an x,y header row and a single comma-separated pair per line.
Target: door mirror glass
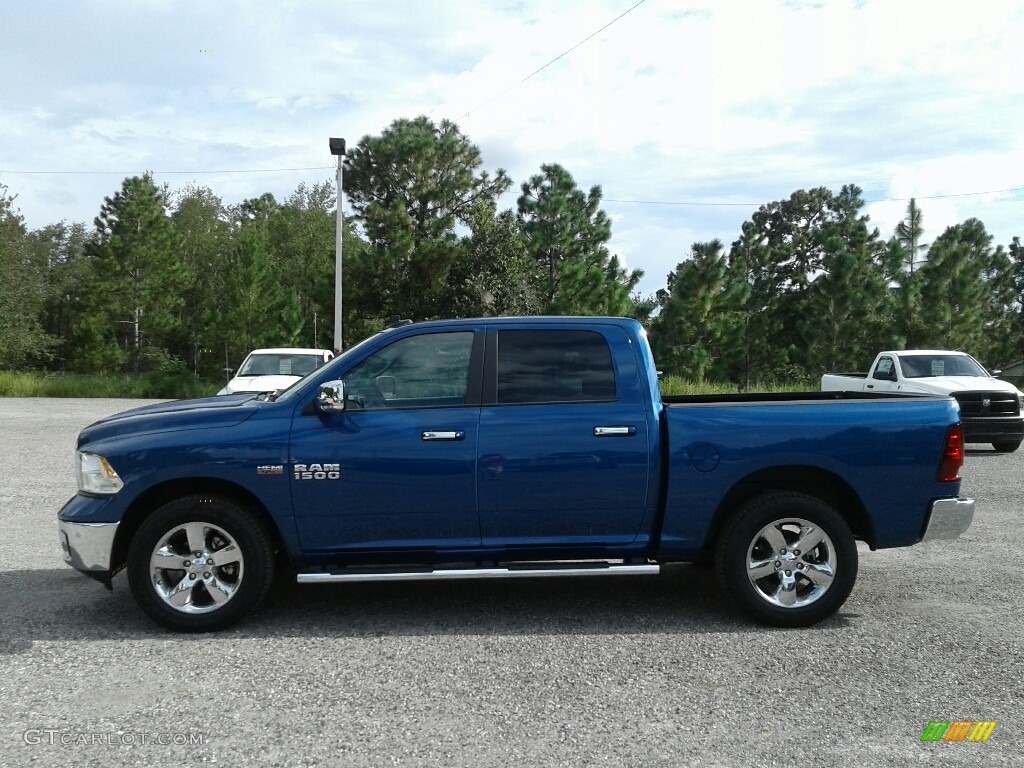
x,y
331,398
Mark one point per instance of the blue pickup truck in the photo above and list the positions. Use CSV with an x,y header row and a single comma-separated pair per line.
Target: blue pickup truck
x,y
505,448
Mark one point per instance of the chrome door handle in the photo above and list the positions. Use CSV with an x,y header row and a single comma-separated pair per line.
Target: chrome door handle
x,y
614,431
443,435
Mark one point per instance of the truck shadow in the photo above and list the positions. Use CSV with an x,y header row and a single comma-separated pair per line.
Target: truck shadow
x,y
683,599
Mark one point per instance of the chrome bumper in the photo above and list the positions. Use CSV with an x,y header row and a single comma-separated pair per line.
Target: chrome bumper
x,y
87,546
948,519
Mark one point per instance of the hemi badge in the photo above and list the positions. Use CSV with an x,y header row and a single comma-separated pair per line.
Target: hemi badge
x,y
270,469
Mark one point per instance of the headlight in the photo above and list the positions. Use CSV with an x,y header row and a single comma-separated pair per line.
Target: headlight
x,y
95,475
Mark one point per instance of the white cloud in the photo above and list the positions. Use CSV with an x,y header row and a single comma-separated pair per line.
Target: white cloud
x,y
715,101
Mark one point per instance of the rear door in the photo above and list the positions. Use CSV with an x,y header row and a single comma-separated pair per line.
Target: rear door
x,y
564,444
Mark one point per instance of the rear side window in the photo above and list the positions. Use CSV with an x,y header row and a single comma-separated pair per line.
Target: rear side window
x,y
553,366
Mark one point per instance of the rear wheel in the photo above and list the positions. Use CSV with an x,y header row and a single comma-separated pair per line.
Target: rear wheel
x,y
200,563
1008,446
787,559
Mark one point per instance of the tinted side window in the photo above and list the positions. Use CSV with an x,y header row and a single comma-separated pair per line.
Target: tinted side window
x,y
427,370
884,368
551,366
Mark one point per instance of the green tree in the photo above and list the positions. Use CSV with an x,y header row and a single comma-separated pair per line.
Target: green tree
x,y
496,275
908,235
62,248
409,188
258,309
200,221
1016,255
786,247
22,291
955,299
566,233
137,283
302,232
701,311
907,246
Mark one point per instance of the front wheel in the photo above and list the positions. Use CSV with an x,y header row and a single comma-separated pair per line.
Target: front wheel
x,y
787,559
200,563
1008,446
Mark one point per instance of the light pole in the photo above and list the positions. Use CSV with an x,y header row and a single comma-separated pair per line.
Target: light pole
x,y
338,150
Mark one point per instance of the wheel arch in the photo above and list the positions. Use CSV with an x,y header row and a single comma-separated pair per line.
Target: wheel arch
x,y
826,486
170,490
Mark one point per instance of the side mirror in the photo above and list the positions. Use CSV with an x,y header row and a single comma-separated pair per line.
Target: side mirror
x,y
995,373
331,398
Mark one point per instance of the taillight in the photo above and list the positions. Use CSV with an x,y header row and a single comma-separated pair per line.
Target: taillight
x,y
952,455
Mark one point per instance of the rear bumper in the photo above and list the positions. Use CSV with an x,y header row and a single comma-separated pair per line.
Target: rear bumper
x,y
948,518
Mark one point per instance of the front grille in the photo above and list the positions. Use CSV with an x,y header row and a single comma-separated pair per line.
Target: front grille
x,y
987,404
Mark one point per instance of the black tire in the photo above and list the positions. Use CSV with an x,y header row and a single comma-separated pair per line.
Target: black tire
x,y
187,593
1007,447
815,583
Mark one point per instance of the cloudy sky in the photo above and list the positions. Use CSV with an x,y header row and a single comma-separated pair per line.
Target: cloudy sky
x,y
688,114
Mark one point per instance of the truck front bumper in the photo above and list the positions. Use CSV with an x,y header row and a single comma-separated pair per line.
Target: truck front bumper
x,y
993,429
948,519
87,547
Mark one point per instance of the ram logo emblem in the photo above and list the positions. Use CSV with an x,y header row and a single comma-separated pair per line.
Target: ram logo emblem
x,y
316,471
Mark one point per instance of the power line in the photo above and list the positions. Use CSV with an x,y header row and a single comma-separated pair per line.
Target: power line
x,y
189,173
755,205
563,54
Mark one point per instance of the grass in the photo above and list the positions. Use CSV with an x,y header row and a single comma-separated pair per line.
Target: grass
x,y
162,386
676,385
155,386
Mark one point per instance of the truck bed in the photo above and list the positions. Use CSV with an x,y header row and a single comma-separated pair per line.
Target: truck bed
x,y
887,447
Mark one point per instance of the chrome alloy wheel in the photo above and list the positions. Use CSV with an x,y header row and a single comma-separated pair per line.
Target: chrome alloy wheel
x,y
196,567
791,562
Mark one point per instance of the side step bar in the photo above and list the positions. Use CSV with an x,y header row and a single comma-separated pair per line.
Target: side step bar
x,y
509,572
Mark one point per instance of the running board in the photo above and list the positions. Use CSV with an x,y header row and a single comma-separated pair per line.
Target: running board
x,y
510,572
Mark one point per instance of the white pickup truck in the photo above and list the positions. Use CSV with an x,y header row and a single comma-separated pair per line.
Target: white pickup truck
x,y
991,409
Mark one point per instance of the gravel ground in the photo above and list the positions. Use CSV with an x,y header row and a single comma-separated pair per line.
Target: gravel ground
x,y
626,671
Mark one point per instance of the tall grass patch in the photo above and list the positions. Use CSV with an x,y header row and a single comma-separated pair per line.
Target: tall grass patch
x,y
156,385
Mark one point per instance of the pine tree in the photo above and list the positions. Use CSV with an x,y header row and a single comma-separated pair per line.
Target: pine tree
x,y
700,317
22,291
409,188
566,233
138,281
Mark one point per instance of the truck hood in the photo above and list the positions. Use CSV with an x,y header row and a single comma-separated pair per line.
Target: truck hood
x,y
257,384
945,385
201,413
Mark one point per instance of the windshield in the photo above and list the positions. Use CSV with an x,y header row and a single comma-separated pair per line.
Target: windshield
x,y
922,366
280,364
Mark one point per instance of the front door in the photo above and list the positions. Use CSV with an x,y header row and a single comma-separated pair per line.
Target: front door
x,y
396,469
